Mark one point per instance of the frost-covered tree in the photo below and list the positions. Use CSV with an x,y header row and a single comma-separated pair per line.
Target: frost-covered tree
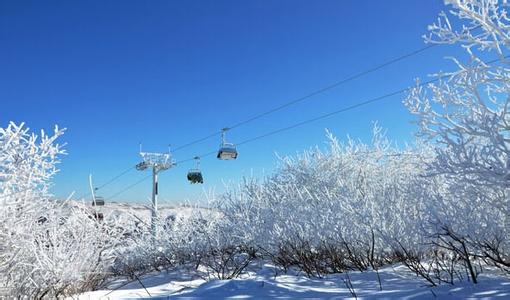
x,y
466,113
48,248
27,163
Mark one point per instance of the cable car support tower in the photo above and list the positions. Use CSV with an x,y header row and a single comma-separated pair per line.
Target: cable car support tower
x,y
158,162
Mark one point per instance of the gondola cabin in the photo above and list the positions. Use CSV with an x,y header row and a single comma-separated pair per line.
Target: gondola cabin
x,y
195,176
227,152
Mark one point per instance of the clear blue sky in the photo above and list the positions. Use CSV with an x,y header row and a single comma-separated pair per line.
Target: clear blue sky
x,y
116,73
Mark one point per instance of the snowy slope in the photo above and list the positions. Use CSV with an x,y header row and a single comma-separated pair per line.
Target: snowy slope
x,y
142,211
397,283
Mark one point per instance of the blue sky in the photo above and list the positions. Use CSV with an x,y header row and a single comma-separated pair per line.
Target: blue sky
x,y
116,73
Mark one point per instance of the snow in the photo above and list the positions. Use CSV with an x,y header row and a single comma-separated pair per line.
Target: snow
x,y
397,283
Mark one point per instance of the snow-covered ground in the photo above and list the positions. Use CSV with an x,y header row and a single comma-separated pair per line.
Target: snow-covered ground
x,y
397,283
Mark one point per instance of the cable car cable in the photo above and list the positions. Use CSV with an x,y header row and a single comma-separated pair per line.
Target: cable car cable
x,y
197,141
348,108
115,177
331,86
314,93
129,187
376,99
311,120
319,91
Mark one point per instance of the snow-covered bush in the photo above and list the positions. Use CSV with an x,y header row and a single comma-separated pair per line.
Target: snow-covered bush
x,y
204,241
47,247
351,202
190,240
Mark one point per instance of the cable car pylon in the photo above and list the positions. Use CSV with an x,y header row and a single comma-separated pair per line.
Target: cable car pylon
x,y
158,162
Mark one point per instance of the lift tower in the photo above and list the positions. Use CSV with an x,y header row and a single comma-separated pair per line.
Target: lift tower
x,y
158,162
